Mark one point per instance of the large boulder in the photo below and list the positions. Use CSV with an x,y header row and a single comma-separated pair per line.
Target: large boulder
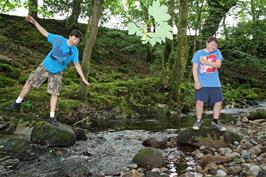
x,y
149,158
207,137
46,134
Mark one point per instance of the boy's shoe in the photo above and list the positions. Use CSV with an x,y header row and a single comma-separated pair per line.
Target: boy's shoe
x,y
53,121
197,124
14,106
218,126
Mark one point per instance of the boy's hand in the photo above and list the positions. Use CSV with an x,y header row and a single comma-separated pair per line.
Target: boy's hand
x,y
203,60
197,85
30,19
85,82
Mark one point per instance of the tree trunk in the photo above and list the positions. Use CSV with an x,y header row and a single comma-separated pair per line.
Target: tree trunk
x,y
217,10
33,8
90,37
182,51
72,21
166,64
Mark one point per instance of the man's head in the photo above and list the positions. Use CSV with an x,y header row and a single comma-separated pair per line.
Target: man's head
x,y
211,44
75,37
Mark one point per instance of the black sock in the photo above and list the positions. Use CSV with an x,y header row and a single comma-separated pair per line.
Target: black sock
x,y
215,120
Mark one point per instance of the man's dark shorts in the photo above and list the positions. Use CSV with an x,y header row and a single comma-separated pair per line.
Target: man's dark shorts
x,y
209,95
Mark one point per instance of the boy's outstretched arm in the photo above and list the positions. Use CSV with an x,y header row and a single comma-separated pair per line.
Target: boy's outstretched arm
x,y
37,25
79,70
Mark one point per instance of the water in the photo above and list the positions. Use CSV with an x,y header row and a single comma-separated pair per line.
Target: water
x,y
110,147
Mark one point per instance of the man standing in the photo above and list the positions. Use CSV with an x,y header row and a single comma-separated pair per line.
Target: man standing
x,y
57,60
207,83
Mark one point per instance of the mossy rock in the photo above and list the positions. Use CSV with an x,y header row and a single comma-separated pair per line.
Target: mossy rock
x,y
259,114
14,146
149,158
207,137
46,134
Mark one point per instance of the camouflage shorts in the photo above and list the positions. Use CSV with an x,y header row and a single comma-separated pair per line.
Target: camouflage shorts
x,y
37,77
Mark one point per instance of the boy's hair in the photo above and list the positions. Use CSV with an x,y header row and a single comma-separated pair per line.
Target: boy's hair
x,y
210,39
76,33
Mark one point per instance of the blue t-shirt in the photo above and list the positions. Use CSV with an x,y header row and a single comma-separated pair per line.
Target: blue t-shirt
x,y
60,55
208,75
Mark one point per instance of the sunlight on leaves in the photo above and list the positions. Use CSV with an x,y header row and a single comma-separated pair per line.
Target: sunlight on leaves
x,y
163,29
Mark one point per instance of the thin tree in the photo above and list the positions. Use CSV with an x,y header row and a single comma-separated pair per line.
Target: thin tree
x,y
182,50
90,37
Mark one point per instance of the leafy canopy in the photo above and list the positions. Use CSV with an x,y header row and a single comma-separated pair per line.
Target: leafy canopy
x,y
163,29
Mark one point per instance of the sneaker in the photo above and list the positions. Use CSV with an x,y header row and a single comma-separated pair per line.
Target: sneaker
x,y
218,126
14,106
197,125
53,121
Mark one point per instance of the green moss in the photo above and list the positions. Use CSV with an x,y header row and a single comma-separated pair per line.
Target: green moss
x,y
9,71
68,105
260,114
6,82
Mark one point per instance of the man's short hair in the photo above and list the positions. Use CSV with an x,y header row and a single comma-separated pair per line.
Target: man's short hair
x,y
210,39
76,33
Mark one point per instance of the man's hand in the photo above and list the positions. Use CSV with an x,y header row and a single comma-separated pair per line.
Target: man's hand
x,y
30,19
85,82
203,60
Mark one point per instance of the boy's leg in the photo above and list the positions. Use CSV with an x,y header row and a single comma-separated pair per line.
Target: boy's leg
x,y
53,102
199,112
53,88
35,79
199,109
25,90
217,110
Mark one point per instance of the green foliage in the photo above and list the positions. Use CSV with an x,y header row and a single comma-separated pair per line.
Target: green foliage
x,y
161,16
240,93
6,6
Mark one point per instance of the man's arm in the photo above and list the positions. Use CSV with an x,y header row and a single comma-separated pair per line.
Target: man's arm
x,y
195,76
79,70
216,64
37,25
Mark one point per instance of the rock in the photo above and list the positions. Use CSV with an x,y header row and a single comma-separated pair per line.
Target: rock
x,y
155,142
7,127
255,150
234,155
245,120
213,158
246,145
221,173
234,170
17,147
151,174
149,158
211,168
133,173
80,134
225,151
255,169
245,155
262,173
46,134
207,137
191,174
